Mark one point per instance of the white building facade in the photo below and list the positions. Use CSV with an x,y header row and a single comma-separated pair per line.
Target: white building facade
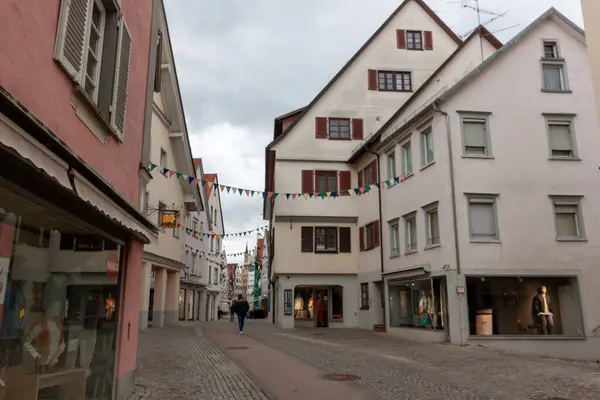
x,y
167,201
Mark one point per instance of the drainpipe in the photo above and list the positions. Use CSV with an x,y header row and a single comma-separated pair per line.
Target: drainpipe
x,y
380,235
454,219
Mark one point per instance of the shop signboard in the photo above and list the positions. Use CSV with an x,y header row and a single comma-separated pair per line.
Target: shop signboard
x,y
287,302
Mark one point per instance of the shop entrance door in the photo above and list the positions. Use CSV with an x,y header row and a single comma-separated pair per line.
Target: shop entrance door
x,y
150,305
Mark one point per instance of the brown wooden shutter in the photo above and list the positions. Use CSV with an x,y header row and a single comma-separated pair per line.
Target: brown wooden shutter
x,y
372,79
357,129
361,233
428,40
345,239
376,233
401,38
360,178
306,239
374,171
321,128
345,182
308,182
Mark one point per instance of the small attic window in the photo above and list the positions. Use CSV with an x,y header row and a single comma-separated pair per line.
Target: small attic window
x,y
550,50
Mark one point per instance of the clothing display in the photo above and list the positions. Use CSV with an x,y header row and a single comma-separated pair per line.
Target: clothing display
x,y
542,310
45,342
11,351
110,308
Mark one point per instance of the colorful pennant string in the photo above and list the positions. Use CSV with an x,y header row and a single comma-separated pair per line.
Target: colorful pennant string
x,y
199,234
358,191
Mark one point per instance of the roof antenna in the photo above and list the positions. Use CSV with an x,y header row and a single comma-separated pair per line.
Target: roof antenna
x,y
494,16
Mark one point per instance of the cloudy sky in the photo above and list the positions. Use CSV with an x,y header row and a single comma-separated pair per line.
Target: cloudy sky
x,y
243,62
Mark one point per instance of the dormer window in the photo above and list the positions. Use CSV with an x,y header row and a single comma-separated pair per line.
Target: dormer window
x,y
550,50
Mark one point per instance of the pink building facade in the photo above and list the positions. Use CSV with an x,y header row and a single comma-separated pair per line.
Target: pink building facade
x,y
76,77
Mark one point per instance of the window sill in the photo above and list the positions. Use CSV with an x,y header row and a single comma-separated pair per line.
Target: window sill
x,y
564,158
364,308
433,246
335,138
556,91
93,119
407,176
427,165
571,239
326,252
485,240
394,256
406,253
477,156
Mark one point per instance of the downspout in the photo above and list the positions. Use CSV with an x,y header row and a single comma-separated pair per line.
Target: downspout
x,y
454,212
380,235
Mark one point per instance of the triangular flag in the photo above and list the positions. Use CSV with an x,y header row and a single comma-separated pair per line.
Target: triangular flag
x,y
228,188
153,167
264,195
269,194
334,194
252,193
356,190
397,179
171,173
287,195
179,175
388,183
378,184
322,195
247,192
210,184
275,195
368,188
241,191
203,182
190,179
293,196
222,187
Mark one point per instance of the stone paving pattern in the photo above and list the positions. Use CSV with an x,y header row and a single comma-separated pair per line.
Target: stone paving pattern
x,y
180,363
399,369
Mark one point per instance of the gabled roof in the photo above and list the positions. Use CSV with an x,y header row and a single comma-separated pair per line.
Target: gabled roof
x,y
448,94
551,13
278,125
480,30
199,171
214,178
422,4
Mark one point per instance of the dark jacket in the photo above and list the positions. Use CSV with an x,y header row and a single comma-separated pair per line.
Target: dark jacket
x,y
241,307
537,306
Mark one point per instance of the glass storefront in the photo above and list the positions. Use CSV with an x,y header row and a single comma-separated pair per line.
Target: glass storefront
x,y
418,303
307,298
182,304
59,302
524,306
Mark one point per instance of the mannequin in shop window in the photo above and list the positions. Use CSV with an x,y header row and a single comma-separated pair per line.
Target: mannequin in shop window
x,y
543,312
320,312
310,307
298,305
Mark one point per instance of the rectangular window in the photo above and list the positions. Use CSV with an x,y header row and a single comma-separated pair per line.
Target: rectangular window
x,y
407,165
432,225
176,227
307,239
186,261
325,239
218,246
159,212
475,135
483,221
550,50
364,296
195,225
427,156
391,165
419,304
326,181
414,40
568,218
394,238
194,261
394,81
524,305
561,138
339,128
163,159
410,232
553,76
94,50
368,174
212,244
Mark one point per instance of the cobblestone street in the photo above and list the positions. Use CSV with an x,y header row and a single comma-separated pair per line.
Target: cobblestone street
x,y
180,363
197,362
397,369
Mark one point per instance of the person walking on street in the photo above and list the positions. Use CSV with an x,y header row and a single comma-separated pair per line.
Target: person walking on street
x,y
231,310
241,309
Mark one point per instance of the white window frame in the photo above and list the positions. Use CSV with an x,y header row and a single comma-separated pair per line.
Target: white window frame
x,y
483,199
427,211
391,164
564,120
562,67
569,202
101,31
407,150
481,118
425,133
394,230
410,242
553,43
164,160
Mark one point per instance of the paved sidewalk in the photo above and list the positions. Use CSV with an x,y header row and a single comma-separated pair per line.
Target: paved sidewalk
x,y
398,369
180,363
282,376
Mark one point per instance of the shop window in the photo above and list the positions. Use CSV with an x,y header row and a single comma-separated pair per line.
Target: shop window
x,y
337,304
418,304
182,296
524,306
364,296
59,282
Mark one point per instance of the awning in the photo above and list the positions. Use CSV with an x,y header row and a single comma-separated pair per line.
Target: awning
x,y
411,272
